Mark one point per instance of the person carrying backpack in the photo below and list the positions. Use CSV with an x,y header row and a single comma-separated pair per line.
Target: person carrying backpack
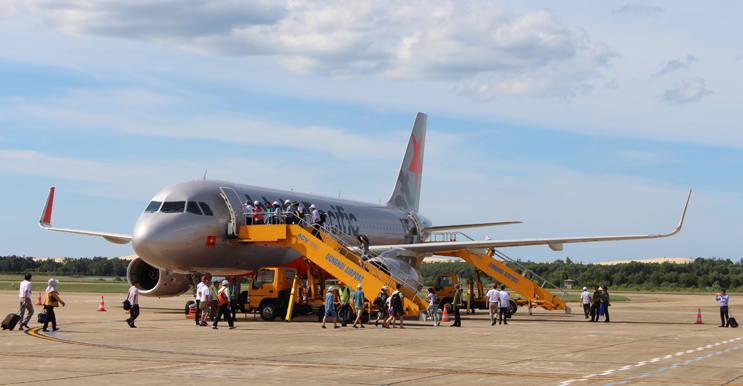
x,y
397,301
381,303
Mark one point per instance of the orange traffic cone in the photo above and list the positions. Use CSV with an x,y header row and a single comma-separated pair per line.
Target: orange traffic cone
x,y
445,316
101,307
699,316
38,301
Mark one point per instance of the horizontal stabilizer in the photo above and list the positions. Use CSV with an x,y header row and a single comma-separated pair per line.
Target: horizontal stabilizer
x,y
466,226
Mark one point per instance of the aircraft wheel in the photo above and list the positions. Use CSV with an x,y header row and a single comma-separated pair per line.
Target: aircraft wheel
x,y
268,311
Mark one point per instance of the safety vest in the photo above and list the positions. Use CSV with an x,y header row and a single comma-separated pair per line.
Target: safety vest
x,y
213,289
232,289
457,297
344,293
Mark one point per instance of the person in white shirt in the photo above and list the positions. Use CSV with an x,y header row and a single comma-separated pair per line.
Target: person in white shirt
x,y
504,302
202,302
316,221
288,212
249,213
493,298
585,300
24,294
134,300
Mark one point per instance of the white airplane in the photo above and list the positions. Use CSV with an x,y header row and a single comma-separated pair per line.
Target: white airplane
x,y
183,231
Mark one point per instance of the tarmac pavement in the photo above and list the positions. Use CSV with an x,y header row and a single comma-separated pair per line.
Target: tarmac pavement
x,y
651,340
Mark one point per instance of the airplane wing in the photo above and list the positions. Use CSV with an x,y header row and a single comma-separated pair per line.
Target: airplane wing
x,y
45,221
554,243
465,226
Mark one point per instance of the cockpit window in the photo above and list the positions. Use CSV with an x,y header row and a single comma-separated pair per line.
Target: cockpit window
x,y
207,210
173,206
153,207
193,207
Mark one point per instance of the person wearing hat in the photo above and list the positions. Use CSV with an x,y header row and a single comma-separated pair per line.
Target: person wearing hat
x,y
276,214
316,221
289,212
329,308
382,307
605,302
269,213
223,298
257,213
344,297
585,301
493,298
595,303
51,300
457,303
249,213
358,305
298,212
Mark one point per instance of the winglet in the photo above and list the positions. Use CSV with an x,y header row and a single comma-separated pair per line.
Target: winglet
x,y
683,215
45,221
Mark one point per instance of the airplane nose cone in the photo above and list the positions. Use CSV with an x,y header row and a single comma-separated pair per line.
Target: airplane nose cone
x,y
151,240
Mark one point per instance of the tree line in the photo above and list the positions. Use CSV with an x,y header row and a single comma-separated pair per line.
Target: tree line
x,y
98,266
709,274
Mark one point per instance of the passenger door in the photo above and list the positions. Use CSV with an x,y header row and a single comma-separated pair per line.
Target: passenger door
x,y
236,209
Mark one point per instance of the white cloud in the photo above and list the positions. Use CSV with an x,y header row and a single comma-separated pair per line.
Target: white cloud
x,y
491,49
635,9
674,65
637,157
687,91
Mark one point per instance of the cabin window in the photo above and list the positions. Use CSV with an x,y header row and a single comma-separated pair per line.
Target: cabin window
x,y
173,207
206,209
153,207
193,207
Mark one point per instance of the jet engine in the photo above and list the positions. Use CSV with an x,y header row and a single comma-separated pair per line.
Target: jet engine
x,y
155,282
393,263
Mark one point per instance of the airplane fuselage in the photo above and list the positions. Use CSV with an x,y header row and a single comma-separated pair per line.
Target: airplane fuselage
x,y
177,235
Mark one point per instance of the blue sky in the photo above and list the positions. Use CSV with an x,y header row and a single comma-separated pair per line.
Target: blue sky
x,y
578,118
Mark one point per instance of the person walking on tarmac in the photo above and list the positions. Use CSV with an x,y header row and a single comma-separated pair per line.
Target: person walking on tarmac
x,y
358,305
457,303
382,307
595,303
723,298
585,301
24,293
202,301
493,298
397,305
344,295
51,300
133,299
503,302
233,289
223,299
213,304
329,308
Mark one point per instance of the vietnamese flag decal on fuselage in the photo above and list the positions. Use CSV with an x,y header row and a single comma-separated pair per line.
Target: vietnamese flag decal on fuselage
x,y
211,241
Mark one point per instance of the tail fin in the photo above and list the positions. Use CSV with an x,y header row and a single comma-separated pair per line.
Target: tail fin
x,y
407,191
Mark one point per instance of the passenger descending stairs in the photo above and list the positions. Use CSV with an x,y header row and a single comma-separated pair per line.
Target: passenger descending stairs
x,y
337,255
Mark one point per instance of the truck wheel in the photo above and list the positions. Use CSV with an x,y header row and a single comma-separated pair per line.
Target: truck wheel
x,y
188,305
268,311
512,308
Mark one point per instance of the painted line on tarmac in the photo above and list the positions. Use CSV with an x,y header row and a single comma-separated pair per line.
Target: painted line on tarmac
x,y
654,360
35,332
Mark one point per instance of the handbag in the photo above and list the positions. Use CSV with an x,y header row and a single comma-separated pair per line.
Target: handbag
x,y
41,318
127,305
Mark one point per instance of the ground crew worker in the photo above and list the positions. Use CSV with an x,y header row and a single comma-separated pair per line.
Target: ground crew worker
x,y
358,305
457,303
493,298
344,295
504,302
605,303
595,303
224,306
233,289
585,301
213,298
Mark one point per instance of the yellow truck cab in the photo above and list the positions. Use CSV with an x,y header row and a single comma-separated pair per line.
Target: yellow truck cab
x,y
270,291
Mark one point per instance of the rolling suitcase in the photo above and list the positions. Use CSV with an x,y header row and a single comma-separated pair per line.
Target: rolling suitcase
x,y
732,322
10,321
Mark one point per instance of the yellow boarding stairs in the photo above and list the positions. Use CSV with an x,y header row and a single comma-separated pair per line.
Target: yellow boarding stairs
x,y
336,254
535,295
